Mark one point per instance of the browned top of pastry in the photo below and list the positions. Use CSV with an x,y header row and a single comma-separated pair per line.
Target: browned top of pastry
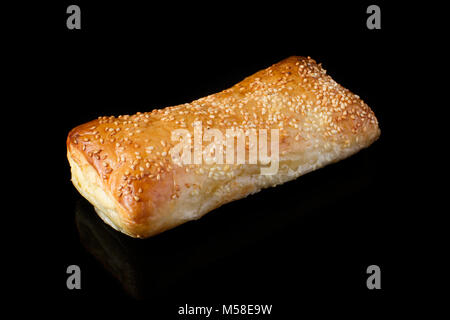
x,y
295,96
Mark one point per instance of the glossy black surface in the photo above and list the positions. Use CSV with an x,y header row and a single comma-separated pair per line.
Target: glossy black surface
x,y
302,246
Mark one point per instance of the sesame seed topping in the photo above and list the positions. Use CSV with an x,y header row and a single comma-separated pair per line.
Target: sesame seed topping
x,y
295,96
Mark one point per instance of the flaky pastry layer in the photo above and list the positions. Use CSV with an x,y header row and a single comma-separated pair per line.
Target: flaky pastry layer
x,y
123,166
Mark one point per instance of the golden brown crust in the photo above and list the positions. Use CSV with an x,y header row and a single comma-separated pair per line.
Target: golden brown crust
x,y
319,122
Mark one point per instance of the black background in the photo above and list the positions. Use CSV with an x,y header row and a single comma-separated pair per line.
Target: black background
x,y
303,246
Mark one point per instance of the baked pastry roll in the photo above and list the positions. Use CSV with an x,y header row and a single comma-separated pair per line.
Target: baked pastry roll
x,y
145,173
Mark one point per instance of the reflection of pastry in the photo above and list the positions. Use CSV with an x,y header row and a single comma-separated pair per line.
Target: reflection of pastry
x,y
107,247
159,266
123,167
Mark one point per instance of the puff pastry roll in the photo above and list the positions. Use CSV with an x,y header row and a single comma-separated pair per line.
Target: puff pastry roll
x,y
127,167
